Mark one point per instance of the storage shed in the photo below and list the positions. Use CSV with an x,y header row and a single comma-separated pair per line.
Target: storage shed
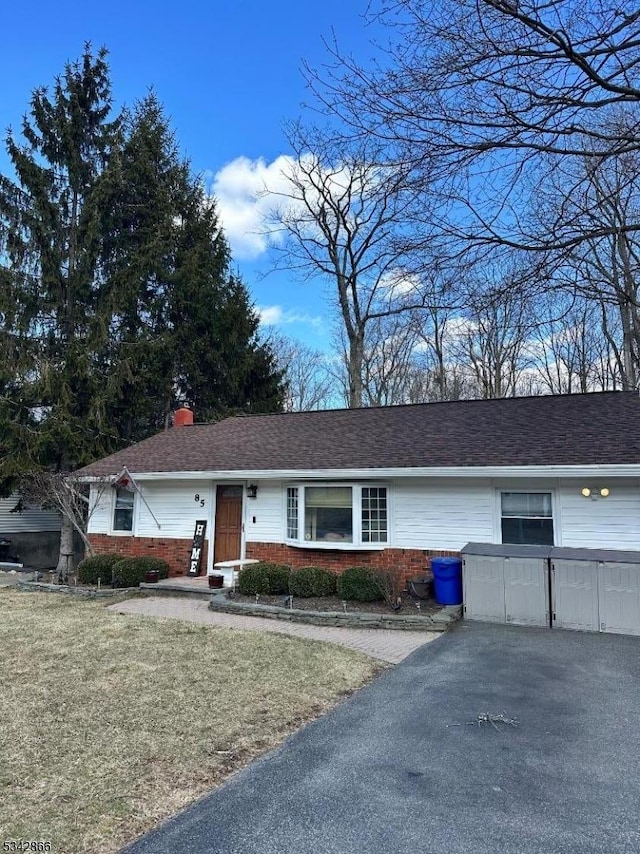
x,y
584,589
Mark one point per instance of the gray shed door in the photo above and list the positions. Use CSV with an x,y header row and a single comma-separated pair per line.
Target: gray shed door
x,y
526,589
575,594
506,589
483,581
619,586
591,589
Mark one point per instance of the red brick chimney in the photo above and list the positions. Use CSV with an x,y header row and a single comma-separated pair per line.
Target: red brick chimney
x,y
182,417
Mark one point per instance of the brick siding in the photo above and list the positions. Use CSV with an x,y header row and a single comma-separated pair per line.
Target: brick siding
x,y
175,552
410,561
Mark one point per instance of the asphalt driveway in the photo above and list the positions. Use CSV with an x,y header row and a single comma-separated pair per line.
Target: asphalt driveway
x,y
403,767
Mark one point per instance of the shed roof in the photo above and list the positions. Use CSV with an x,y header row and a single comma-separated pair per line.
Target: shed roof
x,y
583,429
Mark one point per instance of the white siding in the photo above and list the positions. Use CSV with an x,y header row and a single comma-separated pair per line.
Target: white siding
x,y
174,506
30,520
268,510
172,503
425,513
606,523
440,514
100,509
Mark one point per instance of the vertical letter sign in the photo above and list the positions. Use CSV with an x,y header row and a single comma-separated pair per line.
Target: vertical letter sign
x,y
196,548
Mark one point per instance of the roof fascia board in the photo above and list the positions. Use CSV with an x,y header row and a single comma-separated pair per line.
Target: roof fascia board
x,y
610,470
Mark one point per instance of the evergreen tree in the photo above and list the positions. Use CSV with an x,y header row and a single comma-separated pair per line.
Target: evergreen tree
x,y
185,330
220,366
116,294
50,278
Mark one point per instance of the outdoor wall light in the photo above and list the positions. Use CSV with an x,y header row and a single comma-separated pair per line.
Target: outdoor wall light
x,y
588,492
252,490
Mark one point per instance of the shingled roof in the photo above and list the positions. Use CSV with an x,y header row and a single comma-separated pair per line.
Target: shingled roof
x,y
582,429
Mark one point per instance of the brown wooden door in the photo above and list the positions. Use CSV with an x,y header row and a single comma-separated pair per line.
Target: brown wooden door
x,y
228,524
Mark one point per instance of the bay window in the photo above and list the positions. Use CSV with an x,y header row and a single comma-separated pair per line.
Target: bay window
x,y
292,513
337,515
328,514
374,514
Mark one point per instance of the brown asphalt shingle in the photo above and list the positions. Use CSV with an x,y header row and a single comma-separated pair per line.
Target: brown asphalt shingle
x,y
586,429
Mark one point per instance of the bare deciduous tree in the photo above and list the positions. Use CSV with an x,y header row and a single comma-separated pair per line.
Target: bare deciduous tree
x,y
308,380
494,342
388,359
568,351
605,270
478,93
69,496
342,220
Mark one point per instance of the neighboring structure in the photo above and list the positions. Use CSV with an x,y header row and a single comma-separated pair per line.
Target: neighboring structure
x,y
33,533
387,486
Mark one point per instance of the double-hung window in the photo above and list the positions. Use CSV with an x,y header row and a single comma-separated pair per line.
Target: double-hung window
x,y
123,510
527,518
335,515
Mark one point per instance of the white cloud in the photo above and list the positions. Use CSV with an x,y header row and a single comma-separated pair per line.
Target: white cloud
x,y
250,193
399,283
461,327
275,315
270,315
247,193
456,329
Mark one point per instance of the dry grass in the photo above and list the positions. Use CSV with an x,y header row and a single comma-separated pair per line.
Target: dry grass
x,y
109,724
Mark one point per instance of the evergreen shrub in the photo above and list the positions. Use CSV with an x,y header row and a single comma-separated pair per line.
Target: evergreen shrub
x,y
359,583
97,567
264,578
312,581
130,571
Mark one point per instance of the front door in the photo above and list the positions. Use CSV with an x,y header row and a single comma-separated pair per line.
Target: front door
x,y
228,524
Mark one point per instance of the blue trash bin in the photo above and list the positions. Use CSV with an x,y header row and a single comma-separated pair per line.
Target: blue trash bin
x,y
447,580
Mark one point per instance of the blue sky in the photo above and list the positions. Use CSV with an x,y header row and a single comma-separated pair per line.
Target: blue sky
x,y
228,75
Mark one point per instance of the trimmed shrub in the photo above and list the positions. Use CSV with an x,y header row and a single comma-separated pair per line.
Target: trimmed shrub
x,y
312,581
97,567
359,583
264,578
278,575
130,571
253,579
325,582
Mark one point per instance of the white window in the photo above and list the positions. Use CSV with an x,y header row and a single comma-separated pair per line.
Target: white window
x,y
292,513
335,515
123,510
374,514
328,514
527,518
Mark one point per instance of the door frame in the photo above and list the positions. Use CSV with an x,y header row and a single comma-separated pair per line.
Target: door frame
x,y
213,492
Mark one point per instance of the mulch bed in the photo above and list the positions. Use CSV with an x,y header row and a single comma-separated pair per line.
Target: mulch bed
x,y
334,603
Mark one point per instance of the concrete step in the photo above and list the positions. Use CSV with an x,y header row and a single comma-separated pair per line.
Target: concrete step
x,y
185,588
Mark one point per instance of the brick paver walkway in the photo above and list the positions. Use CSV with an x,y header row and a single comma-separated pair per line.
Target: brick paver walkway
x,y
383,644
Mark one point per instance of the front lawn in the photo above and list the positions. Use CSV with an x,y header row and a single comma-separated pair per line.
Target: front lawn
x,y
109,724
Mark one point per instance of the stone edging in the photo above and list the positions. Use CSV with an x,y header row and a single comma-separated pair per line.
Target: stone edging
x,y
438,622
85,592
